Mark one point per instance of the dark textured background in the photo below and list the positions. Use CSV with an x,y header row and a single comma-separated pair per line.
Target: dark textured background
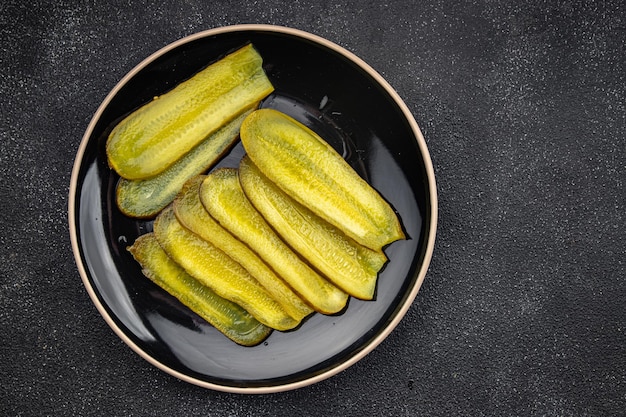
x,y
523,311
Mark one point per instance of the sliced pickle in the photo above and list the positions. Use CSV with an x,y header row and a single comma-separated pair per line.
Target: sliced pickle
x,y
310,171
157,134
192,214
145,198
349,265
222,196
217,270
227,317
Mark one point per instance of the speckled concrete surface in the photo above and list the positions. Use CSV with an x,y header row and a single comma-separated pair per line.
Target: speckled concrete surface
x,y
522,105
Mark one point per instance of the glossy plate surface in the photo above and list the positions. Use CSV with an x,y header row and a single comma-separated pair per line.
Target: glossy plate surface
x,y
355,110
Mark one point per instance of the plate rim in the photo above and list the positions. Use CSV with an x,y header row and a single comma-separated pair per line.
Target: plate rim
x,y
432,210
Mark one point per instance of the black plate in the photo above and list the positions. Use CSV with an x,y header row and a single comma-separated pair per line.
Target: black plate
x,y
346,102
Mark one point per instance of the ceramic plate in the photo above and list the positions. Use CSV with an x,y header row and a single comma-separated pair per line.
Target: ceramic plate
x,y
356,111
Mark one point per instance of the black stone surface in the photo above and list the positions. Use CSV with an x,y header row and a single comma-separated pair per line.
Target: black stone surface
x,y
523,311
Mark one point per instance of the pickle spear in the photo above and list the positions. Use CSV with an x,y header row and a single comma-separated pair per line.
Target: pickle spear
x,y
217,270
192,214
145,198
222,196
311,172
227,317
154,136
349,265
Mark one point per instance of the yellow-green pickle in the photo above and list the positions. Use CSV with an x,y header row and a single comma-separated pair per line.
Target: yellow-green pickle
x,y
310,171
220,272
351,266
154,136
222,196
192,214
229,318
145,198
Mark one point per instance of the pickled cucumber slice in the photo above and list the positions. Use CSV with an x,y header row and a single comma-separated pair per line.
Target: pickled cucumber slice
x,y
192,214
227,317
217,270
145,198
156,135
349,265
311,172
222,196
